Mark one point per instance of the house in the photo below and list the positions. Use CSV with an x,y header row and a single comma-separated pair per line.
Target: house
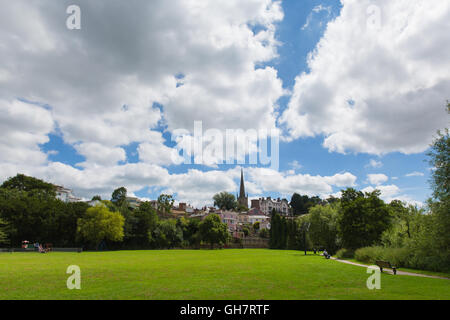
x,y
231,219
66,195
94,203
261,219
267,205
133,202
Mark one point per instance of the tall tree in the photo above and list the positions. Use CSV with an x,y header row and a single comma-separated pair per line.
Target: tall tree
x,y
165,204
225,201
119,196
363,218
440,205
323,228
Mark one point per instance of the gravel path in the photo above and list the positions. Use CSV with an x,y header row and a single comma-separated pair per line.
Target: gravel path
x,y
399,273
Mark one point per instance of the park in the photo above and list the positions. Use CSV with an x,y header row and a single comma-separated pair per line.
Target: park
x,y
242,274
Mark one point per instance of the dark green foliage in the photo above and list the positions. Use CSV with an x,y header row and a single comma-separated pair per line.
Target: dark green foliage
x,y
191,232
213,231
166,235
4,238
301,204
292,241
363,218
39,217
29,184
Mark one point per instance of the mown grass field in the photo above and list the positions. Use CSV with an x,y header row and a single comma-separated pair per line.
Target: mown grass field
x,y
210,275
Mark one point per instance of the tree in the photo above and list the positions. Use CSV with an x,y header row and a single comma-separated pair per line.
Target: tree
x,y
3,232
213,231
277,231
363,218
301,204
440,161
225,201
100,224
406,225
119,196
166,235
145,220
323,227
190,229
165,204
440,204
96,198
292,235
29,184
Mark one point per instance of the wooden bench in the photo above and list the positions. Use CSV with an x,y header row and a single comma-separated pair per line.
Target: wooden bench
x,y
386,264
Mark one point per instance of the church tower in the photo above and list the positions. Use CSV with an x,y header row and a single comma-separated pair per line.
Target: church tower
x,y
243,199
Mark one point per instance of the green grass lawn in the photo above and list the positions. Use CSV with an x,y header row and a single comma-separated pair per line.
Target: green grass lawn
x,y
211,275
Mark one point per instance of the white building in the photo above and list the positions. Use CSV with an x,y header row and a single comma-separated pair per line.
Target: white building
x,y
267,205
260,219
65,195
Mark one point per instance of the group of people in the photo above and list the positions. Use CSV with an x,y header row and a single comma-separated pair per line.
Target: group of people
x,y
325,253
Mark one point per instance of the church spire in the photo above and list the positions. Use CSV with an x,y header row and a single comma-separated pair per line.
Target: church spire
x,y
243,199
242,193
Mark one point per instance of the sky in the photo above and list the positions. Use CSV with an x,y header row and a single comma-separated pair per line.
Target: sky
x,y
348,93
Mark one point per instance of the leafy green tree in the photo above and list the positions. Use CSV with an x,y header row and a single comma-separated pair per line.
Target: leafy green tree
x,y
145,220
363,218
213,231
256,226
439,243
323,227
190,228
119,196
166,234
96,198
100,224
29,184
225,201
165,204
405,227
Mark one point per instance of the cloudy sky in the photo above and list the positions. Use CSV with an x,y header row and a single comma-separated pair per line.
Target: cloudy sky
x,y
354,89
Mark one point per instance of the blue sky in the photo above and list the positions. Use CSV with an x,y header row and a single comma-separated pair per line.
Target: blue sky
x,y
102,132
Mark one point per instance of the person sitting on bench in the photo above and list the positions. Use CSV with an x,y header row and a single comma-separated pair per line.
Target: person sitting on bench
x,y
42,250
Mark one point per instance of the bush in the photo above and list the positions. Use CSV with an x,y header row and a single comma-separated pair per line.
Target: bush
x,y
400,257
345,254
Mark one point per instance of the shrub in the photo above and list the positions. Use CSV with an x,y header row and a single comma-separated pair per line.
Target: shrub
x,y
345,254
369,254
400,257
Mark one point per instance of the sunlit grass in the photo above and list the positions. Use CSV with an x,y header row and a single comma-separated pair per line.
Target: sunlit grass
x,y
217,274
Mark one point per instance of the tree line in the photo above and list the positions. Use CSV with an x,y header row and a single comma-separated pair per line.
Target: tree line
x,y
29,210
